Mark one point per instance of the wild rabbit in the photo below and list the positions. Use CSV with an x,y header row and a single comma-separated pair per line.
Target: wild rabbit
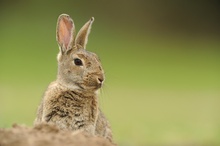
x,y
71,101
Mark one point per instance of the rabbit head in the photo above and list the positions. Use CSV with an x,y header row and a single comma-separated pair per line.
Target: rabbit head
x,y
77,68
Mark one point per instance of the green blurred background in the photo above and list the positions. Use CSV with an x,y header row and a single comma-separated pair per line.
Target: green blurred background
x,y
161,58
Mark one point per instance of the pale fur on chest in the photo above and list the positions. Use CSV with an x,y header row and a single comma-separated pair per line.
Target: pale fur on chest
x,y
70,109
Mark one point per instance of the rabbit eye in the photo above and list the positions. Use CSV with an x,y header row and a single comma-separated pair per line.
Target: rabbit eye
x,y
78,62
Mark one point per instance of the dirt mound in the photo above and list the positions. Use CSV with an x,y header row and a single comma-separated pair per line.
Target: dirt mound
x,y
47,135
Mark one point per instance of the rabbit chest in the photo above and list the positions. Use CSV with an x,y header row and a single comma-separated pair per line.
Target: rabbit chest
x,y
73,110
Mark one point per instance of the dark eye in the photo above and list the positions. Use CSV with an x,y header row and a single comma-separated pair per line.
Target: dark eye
x,y
78,62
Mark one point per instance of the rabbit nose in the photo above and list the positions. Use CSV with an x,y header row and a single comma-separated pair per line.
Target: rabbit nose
x,y
100,79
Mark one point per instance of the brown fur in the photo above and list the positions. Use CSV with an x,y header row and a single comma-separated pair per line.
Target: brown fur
x,y
71,101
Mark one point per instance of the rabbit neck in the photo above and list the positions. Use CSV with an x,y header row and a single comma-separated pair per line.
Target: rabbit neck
x,y
68,85
73,87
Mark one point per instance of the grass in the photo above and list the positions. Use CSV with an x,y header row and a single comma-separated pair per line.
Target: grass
x,y
164,117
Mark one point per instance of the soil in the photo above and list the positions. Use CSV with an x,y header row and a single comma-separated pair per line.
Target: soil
x,y
47,135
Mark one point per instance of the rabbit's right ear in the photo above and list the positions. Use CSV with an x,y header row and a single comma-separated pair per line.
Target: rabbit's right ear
x,y
65,33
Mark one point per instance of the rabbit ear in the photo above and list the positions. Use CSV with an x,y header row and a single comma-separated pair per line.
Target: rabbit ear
x,y
65,33
82,36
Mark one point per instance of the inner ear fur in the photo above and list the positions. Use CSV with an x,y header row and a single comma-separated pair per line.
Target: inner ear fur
x,y
65,33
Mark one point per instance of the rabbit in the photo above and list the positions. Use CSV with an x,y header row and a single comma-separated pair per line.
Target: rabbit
x,y
71,101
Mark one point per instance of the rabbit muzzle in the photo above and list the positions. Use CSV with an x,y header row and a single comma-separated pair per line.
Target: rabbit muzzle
x,y
94,81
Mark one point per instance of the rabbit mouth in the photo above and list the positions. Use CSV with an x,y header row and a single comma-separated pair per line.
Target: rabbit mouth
x,y
90,86
99,85
95,85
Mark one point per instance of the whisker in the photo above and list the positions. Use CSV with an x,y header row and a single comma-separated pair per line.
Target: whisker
x,y
103,93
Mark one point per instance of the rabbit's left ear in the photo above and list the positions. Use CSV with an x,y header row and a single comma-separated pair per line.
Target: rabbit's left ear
x,y
82,36
65,33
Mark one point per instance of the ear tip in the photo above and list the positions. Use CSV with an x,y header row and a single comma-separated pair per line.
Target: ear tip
x,y
63,16
92,19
